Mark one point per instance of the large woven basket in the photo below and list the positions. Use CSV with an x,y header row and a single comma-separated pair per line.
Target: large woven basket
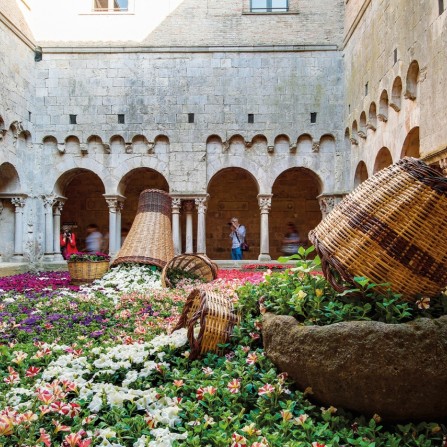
x,y
192,266
390,229
84,272
150,238
216,317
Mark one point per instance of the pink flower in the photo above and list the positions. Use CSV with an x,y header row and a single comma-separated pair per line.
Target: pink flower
x,y
238,440
200,394
252,358
234,386
44,437
32,371
267,389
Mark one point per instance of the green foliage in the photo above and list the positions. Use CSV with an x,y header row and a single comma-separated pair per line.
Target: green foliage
x,y
176,275
303,292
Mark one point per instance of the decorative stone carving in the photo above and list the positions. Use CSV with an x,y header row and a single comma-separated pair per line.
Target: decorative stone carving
x,y
48,202
18,128
327,204
382,117
315,147
176,203
200,204
128,148
371,126
292,148
150,147
409,95
225,146
61,148
394,106
443,166
270,149
2,134
265,203
106,148
353,141
248,144
18,202
361,134
83,148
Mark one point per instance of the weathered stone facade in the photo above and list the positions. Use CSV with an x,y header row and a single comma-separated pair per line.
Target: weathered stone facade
x,y
243,114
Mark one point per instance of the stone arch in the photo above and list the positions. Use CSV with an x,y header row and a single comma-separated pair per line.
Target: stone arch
x,y
304,143
396,94
50,145
383,107
412,81
117,144
411,146
282,144
361,173
295,193
161,145
232,193
132,184
327,144
214,144
95,145
354,133
84,201
362,125
139,145
72,144
372,117
383,160
9,179
259,143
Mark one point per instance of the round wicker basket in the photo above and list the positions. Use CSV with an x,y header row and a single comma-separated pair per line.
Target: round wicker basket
x,y
84,272
390,229
192,266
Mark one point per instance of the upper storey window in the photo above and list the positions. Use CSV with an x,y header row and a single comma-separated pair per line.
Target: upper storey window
x,y
269,5
111,5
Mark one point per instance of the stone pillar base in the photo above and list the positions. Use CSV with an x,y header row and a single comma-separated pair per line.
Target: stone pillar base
x,y
48,257
264,258
58,257
17,258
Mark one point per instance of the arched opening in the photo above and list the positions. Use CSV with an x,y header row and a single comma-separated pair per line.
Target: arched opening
x,y
354,133
396,94
383,107
295,193
412,81
282,144
411,144
327,144
361,174
372,117
232,193
117,144
383,159
362,122
85,202
9,188
131,186
95,145
304,144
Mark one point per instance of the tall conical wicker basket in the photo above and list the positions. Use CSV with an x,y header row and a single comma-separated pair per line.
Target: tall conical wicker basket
x,y
390,229
150,238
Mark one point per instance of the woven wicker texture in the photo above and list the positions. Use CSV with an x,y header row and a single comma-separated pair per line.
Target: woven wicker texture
x,y
195,265
214,312
150,238
86,272
390,229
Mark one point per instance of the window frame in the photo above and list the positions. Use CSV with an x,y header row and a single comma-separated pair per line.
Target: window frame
x,y
111,8
268,9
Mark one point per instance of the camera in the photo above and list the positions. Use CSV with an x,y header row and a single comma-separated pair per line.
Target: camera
x,y
229,223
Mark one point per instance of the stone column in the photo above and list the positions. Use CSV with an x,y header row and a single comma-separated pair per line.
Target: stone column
x,y
265,202
57,230
201,227
189,207
119,209
176,233
19,203
113,206
327,202
48,202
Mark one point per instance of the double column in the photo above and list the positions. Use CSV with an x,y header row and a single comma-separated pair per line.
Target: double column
x,y
53,206
187,204
19,203
265,203
115,204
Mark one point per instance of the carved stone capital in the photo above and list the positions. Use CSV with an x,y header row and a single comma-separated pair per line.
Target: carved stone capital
x,y
382,117
150,147
106,148
188,206
225,145
2,133
371,126
353,141
128,148
361,134
200,204
292,148
83,148
176,204
61,147
113,205
409,95
270,149
315,147
265,203
18,202
394,106
248,144
48,202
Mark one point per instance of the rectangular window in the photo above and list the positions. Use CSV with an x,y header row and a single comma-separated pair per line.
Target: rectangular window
x,y
441,6
251,118
72,119
120,118
269,5
313,117
111,5
190,117
395,55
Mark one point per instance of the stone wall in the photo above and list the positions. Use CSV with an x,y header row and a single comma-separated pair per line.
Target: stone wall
x,y
383,40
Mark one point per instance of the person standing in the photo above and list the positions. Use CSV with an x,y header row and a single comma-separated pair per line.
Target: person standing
x,y
291,241
93,241
237,236
68,242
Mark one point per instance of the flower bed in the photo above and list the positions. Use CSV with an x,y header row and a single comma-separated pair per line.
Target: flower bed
x,y
116,379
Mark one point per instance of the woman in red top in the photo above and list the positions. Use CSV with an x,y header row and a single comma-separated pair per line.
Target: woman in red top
x,y
68,242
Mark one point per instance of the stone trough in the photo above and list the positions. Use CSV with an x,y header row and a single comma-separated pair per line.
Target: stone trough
x,y
398,371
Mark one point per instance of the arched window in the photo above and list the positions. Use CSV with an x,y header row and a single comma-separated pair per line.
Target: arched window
x,y
372,117
412,81
383,107
396,94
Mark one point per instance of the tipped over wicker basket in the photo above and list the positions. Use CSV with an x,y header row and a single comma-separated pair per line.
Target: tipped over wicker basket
x,y
215,314
150,238
188,266
84,272
390,229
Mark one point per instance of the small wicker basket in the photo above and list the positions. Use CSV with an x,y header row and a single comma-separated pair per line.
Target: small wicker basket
x,y
192,265
84,272
390,229
215,314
